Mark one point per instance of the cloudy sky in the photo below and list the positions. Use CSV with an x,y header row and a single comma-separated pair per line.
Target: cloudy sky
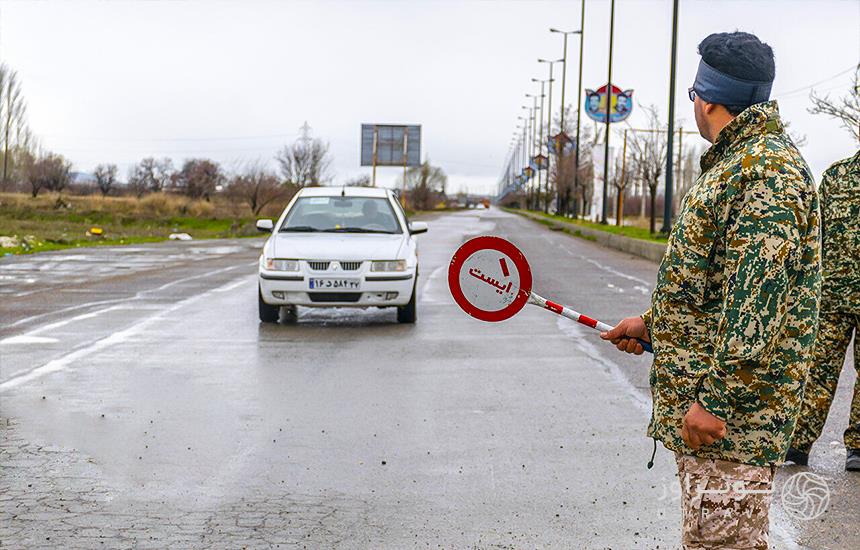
x,y
234,81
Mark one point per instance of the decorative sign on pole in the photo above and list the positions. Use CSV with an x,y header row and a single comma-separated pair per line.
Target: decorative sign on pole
x,y
560,143
620,106
540,162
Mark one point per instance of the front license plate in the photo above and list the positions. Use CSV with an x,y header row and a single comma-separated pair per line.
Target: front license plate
x,y
332,284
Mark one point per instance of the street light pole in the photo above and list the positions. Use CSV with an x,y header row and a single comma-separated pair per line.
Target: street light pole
x,y
548,132
608,108
540,134
563,128
667,196
534,126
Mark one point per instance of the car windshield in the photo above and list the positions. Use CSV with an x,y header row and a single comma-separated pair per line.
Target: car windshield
x,y
342,215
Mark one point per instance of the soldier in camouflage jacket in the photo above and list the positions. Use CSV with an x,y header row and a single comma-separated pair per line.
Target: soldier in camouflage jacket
x,y
840,310
735,311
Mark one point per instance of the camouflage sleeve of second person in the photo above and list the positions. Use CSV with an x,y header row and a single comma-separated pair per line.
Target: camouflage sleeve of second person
x,y
763,238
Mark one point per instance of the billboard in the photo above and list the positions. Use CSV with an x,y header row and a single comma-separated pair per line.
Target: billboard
x,y
620,106
394,144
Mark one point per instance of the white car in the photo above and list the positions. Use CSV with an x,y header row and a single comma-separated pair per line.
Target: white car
x,y
339,247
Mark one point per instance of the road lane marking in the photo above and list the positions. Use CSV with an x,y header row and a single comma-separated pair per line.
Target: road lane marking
x,y
119,337
23,339
139,295
425,297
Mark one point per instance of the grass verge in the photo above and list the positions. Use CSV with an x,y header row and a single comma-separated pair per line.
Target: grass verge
x,y
56,222
625,230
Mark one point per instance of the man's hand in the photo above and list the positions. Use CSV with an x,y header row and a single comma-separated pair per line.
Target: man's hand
x,y
626,332
701,427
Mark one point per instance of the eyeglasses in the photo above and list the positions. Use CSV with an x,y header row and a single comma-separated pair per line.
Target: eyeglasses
x,y
692,93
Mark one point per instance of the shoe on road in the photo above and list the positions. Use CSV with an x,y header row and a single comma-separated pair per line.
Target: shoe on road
x,y
852,461
799,458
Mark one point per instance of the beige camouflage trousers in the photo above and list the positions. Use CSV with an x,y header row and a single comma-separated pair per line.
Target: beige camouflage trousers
x,y
724,504
834,334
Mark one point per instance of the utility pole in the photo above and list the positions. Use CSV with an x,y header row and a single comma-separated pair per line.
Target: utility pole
x,y
667,197
608,109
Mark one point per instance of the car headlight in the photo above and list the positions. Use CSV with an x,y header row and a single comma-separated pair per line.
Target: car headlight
x,y
281,265
389,265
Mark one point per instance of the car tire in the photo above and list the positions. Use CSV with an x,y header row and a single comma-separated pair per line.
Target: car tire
x,y
268,313
408,314
289,314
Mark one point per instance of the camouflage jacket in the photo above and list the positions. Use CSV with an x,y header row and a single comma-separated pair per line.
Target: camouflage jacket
x,y
840,231
734,314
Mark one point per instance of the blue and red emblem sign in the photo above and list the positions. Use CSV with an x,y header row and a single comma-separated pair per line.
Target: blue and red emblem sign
x,y
620,106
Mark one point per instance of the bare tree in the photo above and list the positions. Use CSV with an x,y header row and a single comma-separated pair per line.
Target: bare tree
x,y
12,117
425,184
304,163
150,175
199,178
650,151
258,187
137,182
621,178
846,109
50,172
359,181
105,175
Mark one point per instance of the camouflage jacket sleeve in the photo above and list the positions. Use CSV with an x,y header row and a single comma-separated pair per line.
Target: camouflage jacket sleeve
x,y
762,241
646,317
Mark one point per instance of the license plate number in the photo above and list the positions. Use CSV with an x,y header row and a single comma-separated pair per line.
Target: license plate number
x,y
340,284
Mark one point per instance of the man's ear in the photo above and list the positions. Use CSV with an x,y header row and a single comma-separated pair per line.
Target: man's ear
x,y
708,108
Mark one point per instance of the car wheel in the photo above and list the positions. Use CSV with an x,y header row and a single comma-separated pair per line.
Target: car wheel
x,y
268,313
289,314
409,312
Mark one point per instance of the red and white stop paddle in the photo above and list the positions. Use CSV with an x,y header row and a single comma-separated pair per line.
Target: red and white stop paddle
x,y
490,280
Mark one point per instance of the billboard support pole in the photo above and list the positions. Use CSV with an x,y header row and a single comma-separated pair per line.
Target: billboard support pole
x,y
375,139
405,145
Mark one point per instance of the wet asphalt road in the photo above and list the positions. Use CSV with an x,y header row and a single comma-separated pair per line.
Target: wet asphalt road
x,y
143,405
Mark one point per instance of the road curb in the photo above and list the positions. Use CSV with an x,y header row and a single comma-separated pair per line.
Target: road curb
x,y
644,249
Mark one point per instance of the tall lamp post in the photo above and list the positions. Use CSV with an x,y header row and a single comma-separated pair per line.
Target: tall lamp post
x,y
608,108
534,126
540,133
548,130
563,87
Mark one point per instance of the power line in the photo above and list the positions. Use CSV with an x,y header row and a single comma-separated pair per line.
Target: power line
x,y
804,88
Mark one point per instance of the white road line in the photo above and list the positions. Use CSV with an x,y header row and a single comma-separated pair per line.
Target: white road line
x,y
137,296
580,338
119,337
425,297
14,340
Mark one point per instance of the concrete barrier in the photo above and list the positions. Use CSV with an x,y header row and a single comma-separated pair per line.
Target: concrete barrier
x,y
644,249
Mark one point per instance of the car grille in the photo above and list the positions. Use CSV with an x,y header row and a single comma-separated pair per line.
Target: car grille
x,y
319,266
334,296
349,266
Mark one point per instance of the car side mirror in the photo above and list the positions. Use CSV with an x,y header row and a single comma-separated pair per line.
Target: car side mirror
x,y
417,227
265,226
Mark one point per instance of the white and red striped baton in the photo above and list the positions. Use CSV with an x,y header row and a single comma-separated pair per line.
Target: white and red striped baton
x,y
490,279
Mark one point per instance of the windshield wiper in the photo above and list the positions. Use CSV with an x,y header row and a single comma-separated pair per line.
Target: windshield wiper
x,y
357,230
303,228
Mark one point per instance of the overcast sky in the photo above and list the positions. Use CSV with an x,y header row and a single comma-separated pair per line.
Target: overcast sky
x,y
118,81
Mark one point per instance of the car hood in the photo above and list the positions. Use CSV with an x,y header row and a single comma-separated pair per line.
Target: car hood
x,y
335,246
